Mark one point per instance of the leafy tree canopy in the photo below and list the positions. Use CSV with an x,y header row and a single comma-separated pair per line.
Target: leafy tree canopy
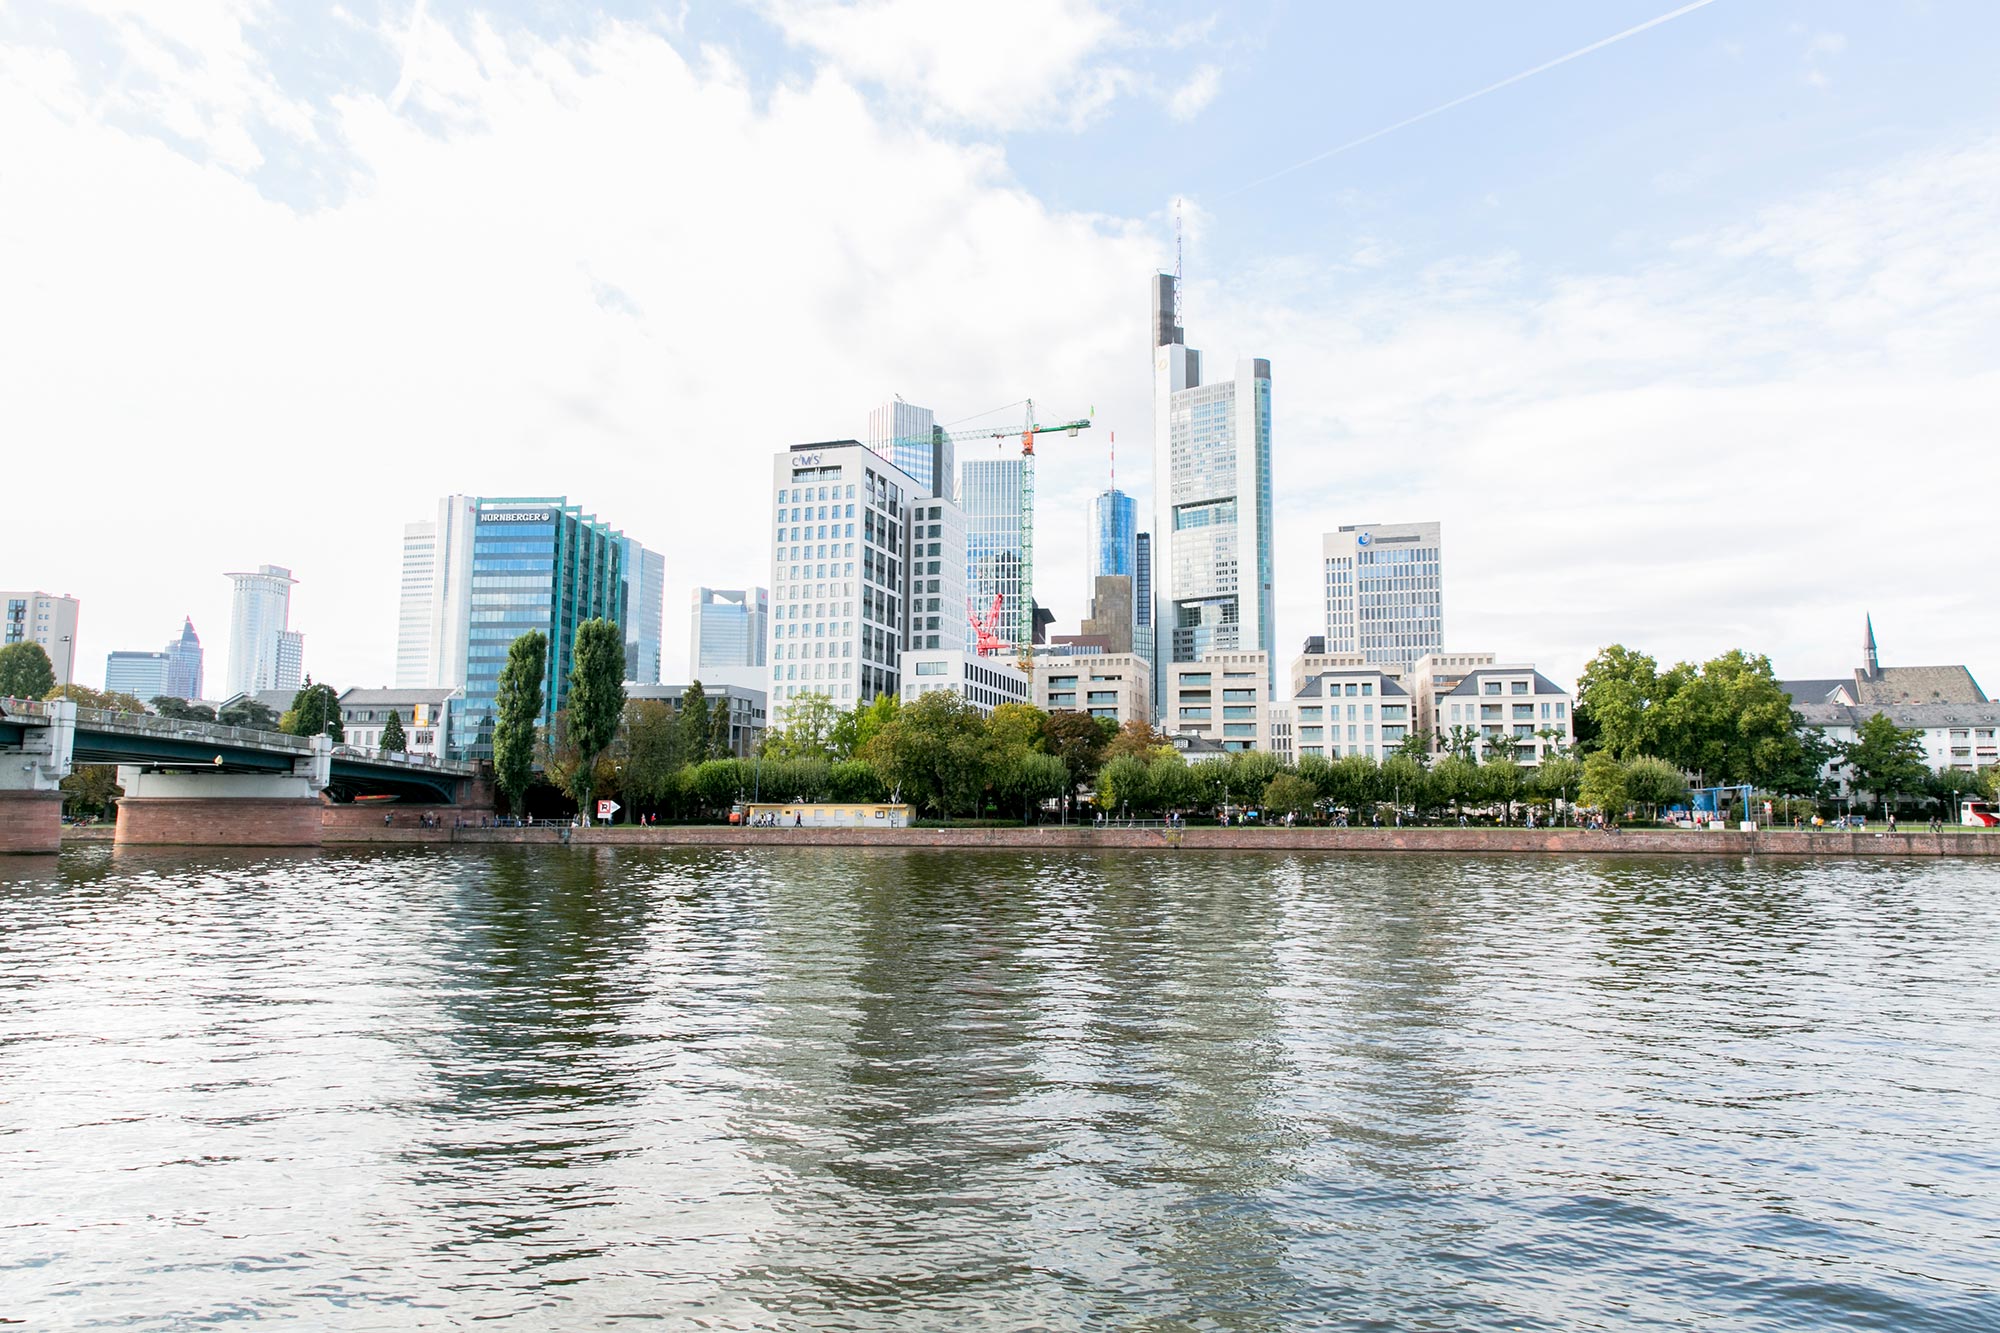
x,y
25,671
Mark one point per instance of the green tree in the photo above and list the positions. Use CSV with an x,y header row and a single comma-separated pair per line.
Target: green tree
x,y
1289,794
1729,720
1603,784
1250,771
1614,699
393,739
1989,779
1030,779
116,701
1501,781
1171,783
692,730
1417,746
650,751
1403,779
251,714
1077,740
1454,780
315,711
1355,782
853,729
518,700
1949,786
1138,739
1462,741
91,789
934,753
180,710
597,700
808,730
1558,778
1886,759
1123,782
853,781
25,671
1655,784
719,746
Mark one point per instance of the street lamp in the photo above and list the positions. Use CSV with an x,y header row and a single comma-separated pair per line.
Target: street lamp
x,y
69,660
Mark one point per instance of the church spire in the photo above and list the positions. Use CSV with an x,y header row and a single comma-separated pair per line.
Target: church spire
x,y
1871,663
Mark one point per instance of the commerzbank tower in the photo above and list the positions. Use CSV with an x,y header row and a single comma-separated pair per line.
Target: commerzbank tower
x,y
1211,504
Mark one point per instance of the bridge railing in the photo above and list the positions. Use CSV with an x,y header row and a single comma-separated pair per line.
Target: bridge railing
x,y
401,758
111,719
23,707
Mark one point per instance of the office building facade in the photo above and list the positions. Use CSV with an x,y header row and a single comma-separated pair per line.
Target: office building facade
x,y
260,611
645,611
865,566
745,705
536,564
1222,697
1384,590
983,682
184,664
1116,686
291,668
433,611
990,494
141,675
1352,710
907,435
728,631
1212,570
32,616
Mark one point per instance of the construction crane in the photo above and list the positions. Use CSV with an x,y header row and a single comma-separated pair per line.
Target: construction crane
x,y
1023,617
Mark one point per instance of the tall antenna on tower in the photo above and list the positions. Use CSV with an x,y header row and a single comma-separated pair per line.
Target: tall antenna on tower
x,y
1178,321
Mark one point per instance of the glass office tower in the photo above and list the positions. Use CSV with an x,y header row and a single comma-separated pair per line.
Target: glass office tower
x,y
990,495
1111,538
537,564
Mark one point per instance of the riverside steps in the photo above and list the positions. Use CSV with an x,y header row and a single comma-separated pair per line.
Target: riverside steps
x,y
342,827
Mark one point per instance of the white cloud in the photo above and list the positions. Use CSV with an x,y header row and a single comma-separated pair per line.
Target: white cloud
x,y
1192,97
603,271
1012,66
602,268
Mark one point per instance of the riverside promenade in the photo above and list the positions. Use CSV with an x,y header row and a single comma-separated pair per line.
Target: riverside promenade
x,y
342,828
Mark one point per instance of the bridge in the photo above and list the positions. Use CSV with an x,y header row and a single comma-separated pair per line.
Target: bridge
x,y
196,782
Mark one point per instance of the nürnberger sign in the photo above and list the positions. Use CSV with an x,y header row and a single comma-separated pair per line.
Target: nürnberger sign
x,y
514,516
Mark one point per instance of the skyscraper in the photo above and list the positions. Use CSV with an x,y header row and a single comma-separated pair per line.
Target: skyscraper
x,y
989,492
1143,641
1111,535
1384,591
258,616
1212,500
184,664
291,668
537,564
141,675
864,566
413,607
907,435
645,611
433,612
727,632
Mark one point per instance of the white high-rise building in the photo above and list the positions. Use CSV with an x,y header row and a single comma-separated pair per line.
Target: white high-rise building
x,y
413,607
38,617
1384,586
864,565
434,614
1212,570
258,616
907,436
291,668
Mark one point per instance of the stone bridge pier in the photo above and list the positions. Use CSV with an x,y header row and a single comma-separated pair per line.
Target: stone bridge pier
x,y
187,807
31,777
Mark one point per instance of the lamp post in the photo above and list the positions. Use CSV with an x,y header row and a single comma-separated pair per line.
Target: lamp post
x,y
68,641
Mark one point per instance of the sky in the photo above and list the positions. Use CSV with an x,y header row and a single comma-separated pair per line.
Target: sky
x,y
1691,342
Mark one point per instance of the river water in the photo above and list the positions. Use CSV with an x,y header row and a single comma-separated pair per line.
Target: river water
x,y
571,1088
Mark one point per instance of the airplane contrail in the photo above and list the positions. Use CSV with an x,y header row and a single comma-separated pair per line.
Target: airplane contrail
x,y
1440,109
